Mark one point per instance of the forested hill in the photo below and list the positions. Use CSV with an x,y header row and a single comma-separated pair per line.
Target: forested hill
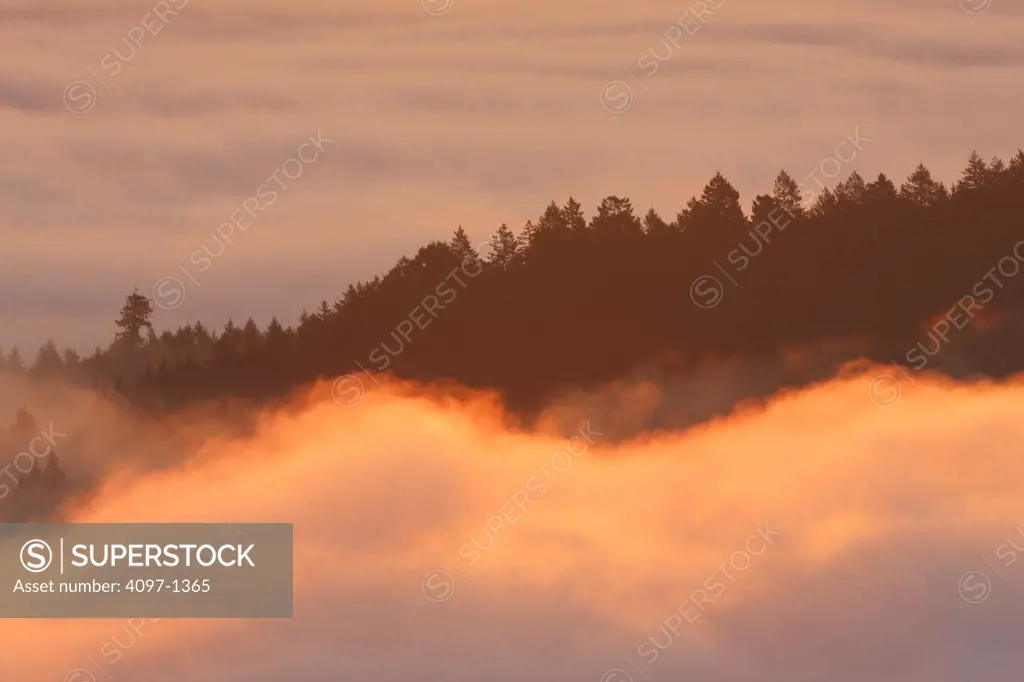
x,y
569,300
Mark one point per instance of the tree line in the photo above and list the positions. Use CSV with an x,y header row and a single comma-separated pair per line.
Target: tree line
x,y
568,301
32,484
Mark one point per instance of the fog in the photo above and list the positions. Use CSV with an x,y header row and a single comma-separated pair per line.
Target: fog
x,y
813,536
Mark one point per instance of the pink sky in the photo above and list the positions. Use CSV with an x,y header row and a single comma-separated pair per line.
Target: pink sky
x,y
474,113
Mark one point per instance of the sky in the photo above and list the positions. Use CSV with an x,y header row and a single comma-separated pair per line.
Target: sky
x,y
134,130
819,536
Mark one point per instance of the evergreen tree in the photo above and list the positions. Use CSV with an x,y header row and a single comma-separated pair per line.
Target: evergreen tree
x,y
462,247
882,189
48,362
552,220
72,364
851,192
277,337
921,189
134,318
764,208
615,216
503,247
722,201
654,225
1016,168
786,194
15,362
252,339
324,312
996,168
826,203
687,216
974,176
572,214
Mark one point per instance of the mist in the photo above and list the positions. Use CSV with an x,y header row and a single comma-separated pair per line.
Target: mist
x,y
811,535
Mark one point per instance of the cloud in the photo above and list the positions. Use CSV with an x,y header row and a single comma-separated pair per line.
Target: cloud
x,y
815,536
476,117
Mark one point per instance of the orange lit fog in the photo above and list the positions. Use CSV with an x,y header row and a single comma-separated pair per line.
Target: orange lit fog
x,y
874,515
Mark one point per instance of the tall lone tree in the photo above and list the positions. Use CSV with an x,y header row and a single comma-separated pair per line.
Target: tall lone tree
x,y
134,317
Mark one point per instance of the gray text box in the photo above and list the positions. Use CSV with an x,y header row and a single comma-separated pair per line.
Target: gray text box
x,y
144,570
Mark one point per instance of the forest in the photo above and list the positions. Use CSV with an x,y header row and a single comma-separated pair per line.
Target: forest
x,y
569,301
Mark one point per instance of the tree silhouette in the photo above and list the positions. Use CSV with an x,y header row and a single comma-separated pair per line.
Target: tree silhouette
x,y
786,194
48,362
134,318
503,247
921,189
15,363
975,175
571,301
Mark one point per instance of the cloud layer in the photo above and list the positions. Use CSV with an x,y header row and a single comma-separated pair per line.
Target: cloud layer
x,y
817,537
476,114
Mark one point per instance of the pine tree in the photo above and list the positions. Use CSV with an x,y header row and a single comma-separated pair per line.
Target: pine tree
x,y
277,337
615,216
722,201
687,216
47,362
134,318
974,176
252,339
996,167
1017,165
72,364
881,189
654,224
852,191
25,425
826,203
461,246
14,361
525,237
53,475
786,194
572,214
921,189
504,247
764,208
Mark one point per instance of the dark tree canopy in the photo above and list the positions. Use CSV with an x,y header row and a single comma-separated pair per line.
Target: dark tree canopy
x,y
570,301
